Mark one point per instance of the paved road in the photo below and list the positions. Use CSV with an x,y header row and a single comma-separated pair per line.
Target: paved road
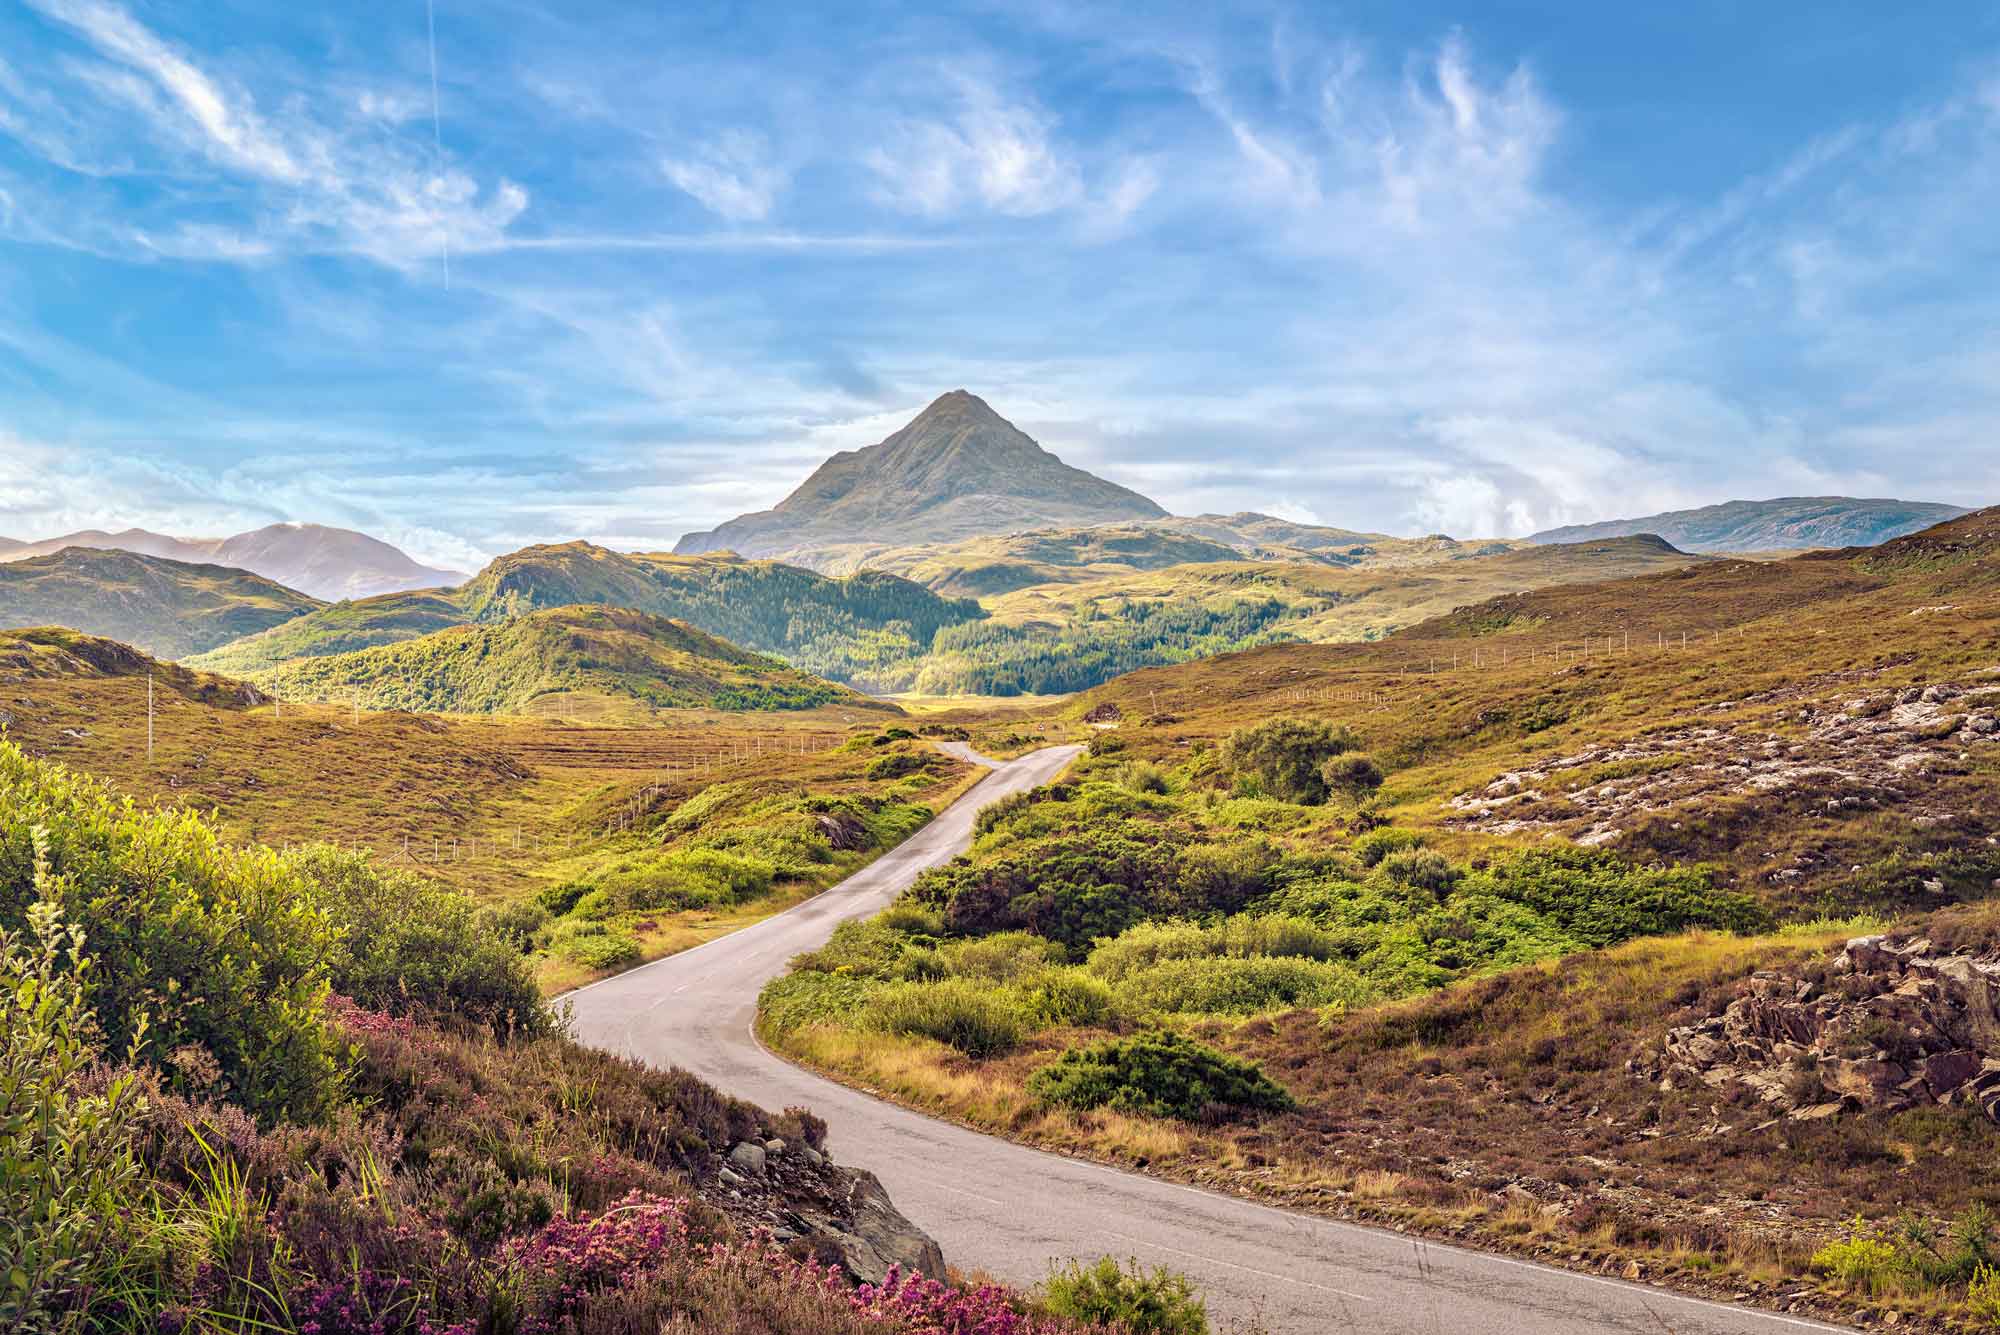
x,y
1013,1211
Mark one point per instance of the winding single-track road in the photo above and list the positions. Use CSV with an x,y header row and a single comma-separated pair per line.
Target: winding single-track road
x,y
1013,1211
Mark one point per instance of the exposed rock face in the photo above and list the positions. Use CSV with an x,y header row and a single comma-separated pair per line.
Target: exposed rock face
x,y
1869,752
842,1214
1890,1027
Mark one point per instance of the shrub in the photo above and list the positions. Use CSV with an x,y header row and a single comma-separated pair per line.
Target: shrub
x,y
593,907
1375,845
1158,1074
408,944
223,950
1982,1296
1072,888
958,1013
516,923
1144,1302
595,945
1220,986
1861,1260
1354,774
689,878
807,997
557,900
1421,869
1067,997
1142,776
898,764
1601,900
69,1175
1283,756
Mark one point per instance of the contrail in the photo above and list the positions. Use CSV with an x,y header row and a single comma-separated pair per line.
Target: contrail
x,y
437,129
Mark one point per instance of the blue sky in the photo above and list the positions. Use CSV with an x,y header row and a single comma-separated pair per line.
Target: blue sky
x,y
1403,266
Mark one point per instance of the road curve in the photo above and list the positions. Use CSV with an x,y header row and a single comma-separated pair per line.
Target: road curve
x,y
1013,1211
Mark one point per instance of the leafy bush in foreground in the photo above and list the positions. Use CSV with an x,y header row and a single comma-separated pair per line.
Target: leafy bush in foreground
x,y
221,949
408,944
1145,1302
68,1173
1159,1074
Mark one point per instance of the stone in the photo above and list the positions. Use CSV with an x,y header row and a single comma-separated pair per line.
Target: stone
x,y
729,1177
774,1146
812,1156
748,1157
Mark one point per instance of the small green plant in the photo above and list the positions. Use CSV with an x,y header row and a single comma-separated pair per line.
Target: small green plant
x,y
1129,1297
1158,1074
1354,774
1862,1261
1982,1296
1142,776
69,1175
957,1012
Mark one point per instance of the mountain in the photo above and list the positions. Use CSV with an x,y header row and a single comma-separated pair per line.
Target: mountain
x,y
1785,524
168,608
328,563
514,666
846,629
958,470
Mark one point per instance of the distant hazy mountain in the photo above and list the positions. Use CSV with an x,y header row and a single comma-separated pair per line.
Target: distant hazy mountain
x,y
1775,525
513,665
170,609
958,470
329,563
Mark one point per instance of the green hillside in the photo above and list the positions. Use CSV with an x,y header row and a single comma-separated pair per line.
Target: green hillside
x,y
508,666
170,609
854,629
338,628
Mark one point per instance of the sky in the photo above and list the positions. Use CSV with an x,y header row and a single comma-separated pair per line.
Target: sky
x,y
477,275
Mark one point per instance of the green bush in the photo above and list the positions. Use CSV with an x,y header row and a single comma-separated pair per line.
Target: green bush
x,y
1601,899
1372,847
1421,869
407,944
1283,756
898,764
596,945
223,950
1142,776
1144,1302
1222,986
1158,1074
70,1179
593,907
558,900
1069,997
1356,774
687,878
975,1019
517,923
807,997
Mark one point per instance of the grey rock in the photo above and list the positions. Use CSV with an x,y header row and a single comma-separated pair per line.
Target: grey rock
x,y
749,1158
729,1177
774,1146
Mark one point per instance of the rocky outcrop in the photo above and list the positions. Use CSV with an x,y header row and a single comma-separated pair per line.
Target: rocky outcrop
x,y
839,1214
1853,755
1889,1026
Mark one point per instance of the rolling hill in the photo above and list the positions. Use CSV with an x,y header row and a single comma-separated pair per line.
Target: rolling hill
x,y
958,470
170,609
513,665
1064,637
847,629
327,563
1786,524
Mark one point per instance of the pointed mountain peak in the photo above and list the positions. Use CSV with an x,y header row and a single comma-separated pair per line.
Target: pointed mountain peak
x,y
957,470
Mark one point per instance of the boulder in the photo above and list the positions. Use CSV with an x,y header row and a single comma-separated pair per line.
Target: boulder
x,y
748,1157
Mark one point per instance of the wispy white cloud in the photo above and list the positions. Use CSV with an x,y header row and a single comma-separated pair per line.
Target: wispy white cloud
x,y
987,150
733,176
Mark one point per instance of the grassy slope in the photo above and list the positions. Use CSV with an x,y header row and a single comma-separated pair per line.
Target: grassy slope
x,y
517,665
498,806
168,608
1500,1110
844,628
